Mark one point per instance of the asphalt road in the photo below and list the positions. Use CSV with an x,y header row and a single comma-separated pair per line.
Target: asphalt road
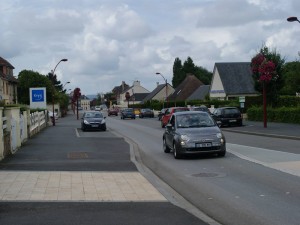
x,y
65,176
232,190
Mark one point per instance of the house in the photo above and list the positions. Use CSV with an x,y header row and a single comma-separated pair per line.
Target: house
x,y
135,90
117,90
186,88
200,93
232,79
85,102
8,84
160,93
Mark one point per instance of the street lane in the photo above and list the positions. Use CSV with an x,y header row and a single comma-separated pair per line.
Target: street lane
x,y
231,190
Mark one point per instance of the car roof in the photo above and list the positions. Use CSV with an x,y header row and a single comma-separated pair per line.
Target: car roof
x,y
189,112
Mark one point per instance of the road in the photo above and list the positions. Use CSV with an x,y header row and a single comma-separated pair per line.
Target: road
x,y
231,190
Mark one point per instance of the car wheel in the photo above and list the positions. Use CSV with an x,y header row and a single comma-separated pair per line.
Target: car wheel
x,y
221,154
165,146
176,154
104,128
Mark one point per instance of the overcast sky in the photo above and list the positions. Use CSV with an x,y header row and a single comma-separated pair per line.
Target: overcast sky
x,y
110,41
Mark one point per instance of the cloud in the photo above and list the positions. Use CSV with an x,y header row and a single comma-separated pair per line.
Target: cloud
x,y
107,42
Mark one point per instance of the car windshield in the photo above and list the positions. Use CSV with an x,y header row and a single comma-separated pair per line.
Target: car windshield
x,y
93,115
194,120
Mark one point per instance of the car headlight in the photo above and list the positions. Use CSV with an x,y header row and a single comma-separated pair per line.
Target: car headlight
x,y
219,135
85,122
184,137
102,122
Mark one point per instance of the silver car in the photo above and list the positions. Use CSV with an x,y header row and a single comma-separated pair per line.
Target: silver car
x,y
193,132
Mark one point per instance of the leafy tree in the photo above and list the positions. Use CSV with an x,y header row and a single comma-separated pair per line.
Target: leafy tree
x,y
264,64
57,84
291,71
178,73
29,79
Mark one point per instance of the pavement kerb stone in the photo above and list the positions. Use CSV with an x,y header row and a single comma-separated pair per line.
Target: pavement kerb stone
x,y
263,134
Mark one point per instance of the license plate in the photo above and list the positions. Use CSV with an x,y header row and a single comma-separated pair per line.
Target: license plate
x,y
232,121
94,125
203,145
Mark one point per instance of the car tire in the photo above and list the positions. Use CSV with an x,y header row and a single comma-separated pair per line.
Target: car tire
x,y
176,154
165,146
222,154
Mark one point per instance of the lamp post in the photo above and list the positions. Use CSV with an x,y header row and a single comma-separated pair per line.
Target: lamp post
x,y
292,19
53,74
166,84
65,84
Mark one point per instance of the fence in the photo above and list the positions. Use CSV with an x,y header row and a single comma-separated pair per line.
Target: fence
x,y
17,127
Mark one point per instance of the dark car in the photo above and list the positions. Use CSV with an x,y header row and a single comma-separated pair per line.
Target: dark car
x,y
146,113
161,113
193,133
112,111
127,113
168,113
93,120
202,108
227,116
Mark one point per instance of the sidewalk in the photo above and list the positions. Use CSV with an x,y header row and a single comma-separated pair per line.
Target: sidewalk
x,y
279,160
278,130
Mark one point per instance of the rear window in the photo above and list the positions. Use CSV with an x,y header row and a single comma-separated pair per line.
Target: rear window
x,y
231,111
180,110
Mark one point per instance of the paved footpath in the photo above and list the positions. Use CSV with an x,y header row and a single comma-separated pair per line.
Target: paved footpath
x,y
65,176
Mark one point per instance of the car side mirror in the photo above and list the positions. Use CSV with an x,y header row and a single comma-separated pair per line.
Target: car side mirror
x,y
169,126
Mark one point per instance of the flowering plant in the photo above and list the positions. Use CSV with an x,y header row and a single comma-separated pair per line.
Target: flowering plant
x,y
266,70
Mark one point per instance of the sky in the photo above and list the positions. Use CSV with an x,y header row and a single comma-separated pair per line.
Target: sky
x,y
110,41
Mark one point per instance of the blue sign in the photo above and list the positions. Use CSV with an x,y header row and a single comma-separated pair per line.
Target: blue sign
x,y
38,95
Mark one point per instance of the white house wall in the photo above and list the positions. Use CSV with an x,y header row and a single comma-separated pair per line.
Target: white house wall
x,y
217,89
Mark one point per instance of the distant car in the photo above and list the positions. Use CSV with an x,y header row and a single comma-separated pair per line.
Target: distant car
x,y
146,113
193,132
136,112
112,111
50,115
161,113
227,116
202,108
97,108
93,120
168,113
127,113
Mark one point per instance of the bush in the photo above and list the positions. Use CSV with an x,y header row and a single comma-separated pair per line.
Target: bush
x,y
281,115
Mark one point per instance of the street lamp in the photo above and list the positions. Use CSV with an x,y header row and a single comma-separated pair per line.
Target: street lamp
x,y
66,84
292,19
53,73
166,84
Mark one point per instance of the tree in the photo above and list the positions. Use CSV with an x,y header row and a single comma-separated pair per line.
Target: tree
x,y
266,68
263,61
291,71
178,73
56,83
29,79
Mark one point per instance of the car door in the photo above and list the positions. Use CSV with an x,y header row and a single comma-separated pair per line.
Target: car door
x,y
170,131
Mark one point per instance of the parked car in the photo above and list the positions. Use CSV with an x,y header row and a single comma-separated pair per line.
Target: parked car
x,y
146,113
97,108
127,113
202,108
227,116
165,118
50,115
193,132
112,111
93,120
137,112
161,113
